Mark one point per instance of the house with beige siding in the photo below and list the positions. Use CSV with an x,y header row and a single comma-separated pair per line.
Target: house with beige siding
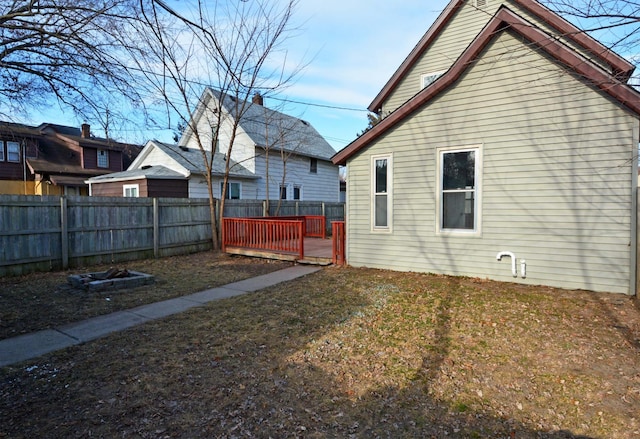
x,y
508,150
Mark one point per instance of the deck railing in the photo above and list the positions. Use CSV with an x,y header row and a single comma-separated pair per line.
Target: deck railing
x,y
268,234
338,238
314,225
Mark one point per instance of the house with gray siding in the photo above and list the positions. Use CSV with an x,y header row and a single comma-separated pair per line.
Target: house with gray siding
x,y
507,150
274,156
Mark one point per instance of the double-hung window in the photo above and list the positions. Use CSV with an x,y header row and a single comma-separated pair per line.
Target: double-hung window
x,y
381,185
103,158
459,172
13,152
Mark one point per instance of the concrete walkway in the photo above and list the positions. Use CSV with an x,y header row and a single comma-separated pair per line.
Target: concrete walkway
x,y
28,346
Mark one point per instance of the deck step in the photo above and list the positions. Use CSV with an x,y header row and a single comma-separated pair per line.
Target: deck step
x,y
315,261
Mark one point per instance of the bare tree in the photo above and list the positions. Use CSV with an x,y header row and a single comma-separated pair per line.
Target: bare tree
x,y
616,23
66,50
228,46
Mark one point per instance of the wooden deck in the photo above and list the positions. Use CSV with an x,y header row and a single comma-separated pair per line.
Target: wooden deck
x,y
317,251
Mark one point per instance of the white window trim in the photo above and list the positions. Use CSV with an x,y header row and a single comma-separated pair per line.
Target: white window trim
x,y
477,230
106,154
230,182
439,73
389,227
131,186
7,157
286,189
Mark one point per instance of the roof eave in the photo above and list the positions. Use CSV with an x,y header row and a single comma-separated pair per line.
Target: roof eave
x,y
620,67
504,19
414,55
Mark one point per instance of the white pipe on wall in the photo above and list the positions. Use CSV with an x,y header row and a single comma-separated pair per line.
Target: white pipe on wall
x,y
514,268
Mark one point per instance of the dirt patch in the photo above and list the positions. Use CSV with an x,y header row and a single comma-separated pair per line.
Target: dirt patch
x,y
46,300
349,353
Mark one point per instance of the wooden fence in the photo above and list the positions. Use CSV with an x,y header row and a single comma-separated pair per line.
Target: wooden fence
x,y
51,232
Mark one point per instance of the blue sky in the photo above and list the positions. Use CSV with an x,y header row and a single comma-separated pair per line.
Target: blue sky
x,y
352,47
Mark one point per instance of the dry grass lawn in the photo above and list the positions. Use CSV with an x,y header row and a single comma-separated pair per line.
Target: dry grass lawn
x,y
349,353
46,300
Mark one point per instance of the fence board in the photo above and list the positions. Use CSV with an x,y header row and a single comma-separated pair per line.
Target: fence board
x,y
112,230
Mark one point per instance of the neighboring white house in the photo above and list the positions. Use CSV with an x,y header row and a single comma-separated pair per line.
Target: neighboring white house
x,y
298,157
506,129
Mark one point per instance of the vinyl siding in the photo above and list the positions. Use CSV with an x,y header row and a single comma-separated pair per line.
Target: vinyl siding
x,y
321,186
558,163
198,188
466,23
464,26
243,146
167,188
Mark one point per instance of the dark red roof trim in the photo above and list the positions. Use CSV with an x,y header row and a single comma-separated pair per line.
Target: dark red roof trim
x,y
620,67
504,19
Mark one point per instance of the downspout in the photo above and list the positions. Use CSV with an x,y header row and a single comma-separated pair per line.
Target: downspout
x,y
634,288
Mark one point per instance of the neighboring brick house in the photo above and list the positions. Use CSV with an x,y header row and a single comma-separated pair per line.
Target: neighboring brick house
x,y
56,160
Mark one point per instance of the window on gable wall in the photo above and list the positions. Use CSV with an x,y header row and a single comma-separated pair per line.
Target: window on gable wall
x,y
459,183
103,158
429,78
313,165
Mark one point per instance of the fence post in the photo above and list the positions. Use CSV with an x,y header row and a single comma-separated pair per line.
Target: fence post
x,y
64,232
156,228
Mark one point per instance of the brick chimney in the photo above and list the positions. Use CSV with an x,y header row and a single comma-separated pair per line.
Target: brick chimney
x,y
86,130
258,99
